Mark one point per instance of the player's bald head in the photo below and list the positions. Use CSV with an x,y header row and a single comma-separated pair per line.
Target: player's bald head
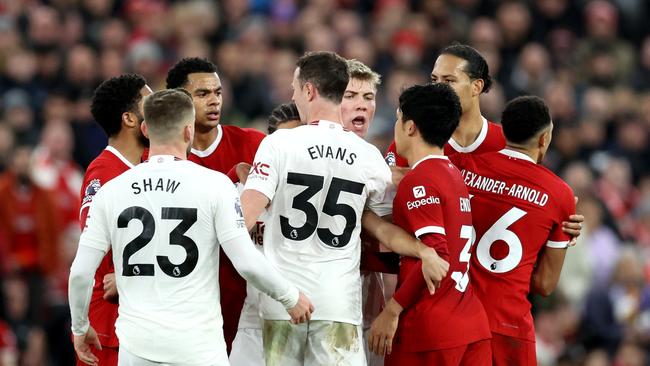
x,y
166,112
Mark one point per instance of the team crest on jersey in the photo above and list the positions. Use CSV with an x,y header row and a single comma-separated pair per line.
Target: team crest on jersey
x,y
240,214
91,189
419,192
390,159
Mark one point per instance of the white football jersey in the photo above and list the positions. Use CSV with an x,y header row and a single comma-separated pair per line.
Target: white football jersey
x,y
319,179
164,220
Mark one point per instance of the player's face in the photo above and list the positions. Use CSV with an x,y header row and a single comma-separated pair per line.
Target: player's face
x,y
289,124
451,70
358,106
144,92
205,88
299,96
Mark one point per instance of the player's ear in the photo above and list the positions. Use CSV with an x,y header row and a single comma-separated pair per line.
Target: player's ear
x,y
410,127
144,129
311,91
477,86
129,119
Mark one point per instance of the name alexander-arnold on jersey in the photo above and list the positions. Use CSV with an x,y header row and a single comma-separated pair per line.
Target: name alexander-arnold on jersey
x,y
337,153
473,180
160,185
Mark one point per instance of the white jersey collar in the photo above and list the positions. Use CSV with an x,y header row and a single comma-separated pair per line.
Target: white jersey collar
x,y
207,152
429,157
474,145
517,155
119,155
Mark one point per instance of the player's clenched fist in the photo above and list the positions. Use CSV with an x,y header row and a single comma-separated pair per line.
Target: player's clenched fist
x,y
302,311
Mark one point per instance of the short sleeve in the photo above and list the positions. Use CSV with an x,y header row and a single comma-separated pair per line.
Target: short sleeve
x,y
381,190
421,204
263,176
96,233
566,207
229,217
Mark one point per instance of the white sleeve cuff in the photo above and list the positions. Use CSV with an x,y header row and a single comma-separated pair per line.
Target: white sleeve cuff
x,y
557,244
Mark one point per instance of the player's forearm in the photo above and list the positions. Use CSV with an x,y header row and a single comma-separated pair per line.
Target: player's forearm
x,y
392,236
253,203
547,273
80,286
257,270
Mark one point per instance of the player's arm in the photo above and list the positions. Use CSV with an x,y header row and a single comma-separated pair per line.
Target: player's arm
x,y
547,272
261,183
573,226
384,327
399,241
253,204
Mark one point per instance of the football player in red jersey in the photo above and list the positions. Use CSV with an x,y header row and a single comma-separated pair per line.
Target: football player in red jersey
x,y
518,207
448,327
466,71
218,147
117,108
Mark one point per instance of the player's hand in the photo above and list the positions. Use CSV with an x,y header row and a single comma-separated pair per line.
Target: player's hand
x,y
301,313
434,268
110,288
382,331
82,345
242,170
573,226
397,173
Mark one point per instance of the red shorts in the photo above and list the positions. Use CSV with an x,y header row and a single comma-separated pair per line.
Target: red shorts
x,y
107,356
508,351
473,354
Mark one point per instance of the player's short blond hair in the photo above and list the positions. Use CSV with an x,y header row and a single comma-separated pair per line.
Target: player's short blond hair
x,y
361,71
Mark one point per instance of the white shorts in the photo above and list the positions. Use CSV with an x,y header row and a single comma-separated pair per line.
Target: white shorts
x,y
247,348
126,358
317,342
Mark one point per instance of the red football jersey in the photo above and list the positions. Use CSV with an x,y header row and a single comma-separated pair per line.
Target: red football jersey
x,y
489,139
518,207
432,199
232,146
102,314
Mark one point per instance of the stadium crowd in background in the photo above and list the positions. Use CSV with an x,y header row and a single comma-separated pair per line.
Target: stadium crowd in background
x,y
589,59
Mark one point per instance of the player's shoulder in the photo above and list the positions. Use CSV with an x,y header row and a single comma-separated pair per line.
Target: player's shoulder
x,y
554,183
250,133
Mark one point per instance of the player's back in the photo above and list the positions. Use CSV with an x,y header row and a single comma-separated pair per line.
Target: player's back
x,y
518,208
325,176
432,199
163,218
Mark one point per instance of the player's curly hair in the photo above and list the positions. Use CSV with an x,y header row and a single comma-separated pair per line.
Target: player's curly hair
x,y
114,97
434,108
477,67
283,113
524,117
177,75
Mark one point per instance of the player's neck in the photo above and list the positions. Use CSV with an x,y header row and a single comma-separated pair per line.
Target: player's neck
x,y
532,153
128,146
204,139
175,149
420,150
469,127
324,111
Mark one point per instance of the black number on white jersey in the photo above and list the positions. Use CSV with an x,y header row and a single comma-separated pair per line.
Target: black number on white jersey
x,y
188,217
331,207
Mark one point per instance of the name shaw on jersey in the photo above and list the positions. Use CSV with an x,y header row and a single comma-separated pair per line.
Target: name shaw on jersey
x,y
337,153
158,185
476,181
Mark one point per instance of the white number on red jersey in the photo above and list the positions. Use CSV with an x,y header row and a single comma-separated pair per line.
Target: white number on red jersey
x,y
499,231
462,279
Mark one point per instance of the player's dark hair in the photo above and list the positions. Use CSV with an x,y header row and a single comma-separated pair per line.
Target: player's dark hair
x,y
166,110
477,67
327,71
114,97
177,75
523,118
435,110
283,113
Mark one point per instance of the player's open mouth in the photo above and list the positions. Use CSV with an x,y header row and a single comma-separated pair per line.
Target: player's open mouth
x,y
359,121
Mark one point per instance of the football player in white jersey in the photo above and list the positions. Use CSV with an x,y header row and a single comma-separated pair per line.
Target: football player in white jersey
x,y
318,179
165,221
